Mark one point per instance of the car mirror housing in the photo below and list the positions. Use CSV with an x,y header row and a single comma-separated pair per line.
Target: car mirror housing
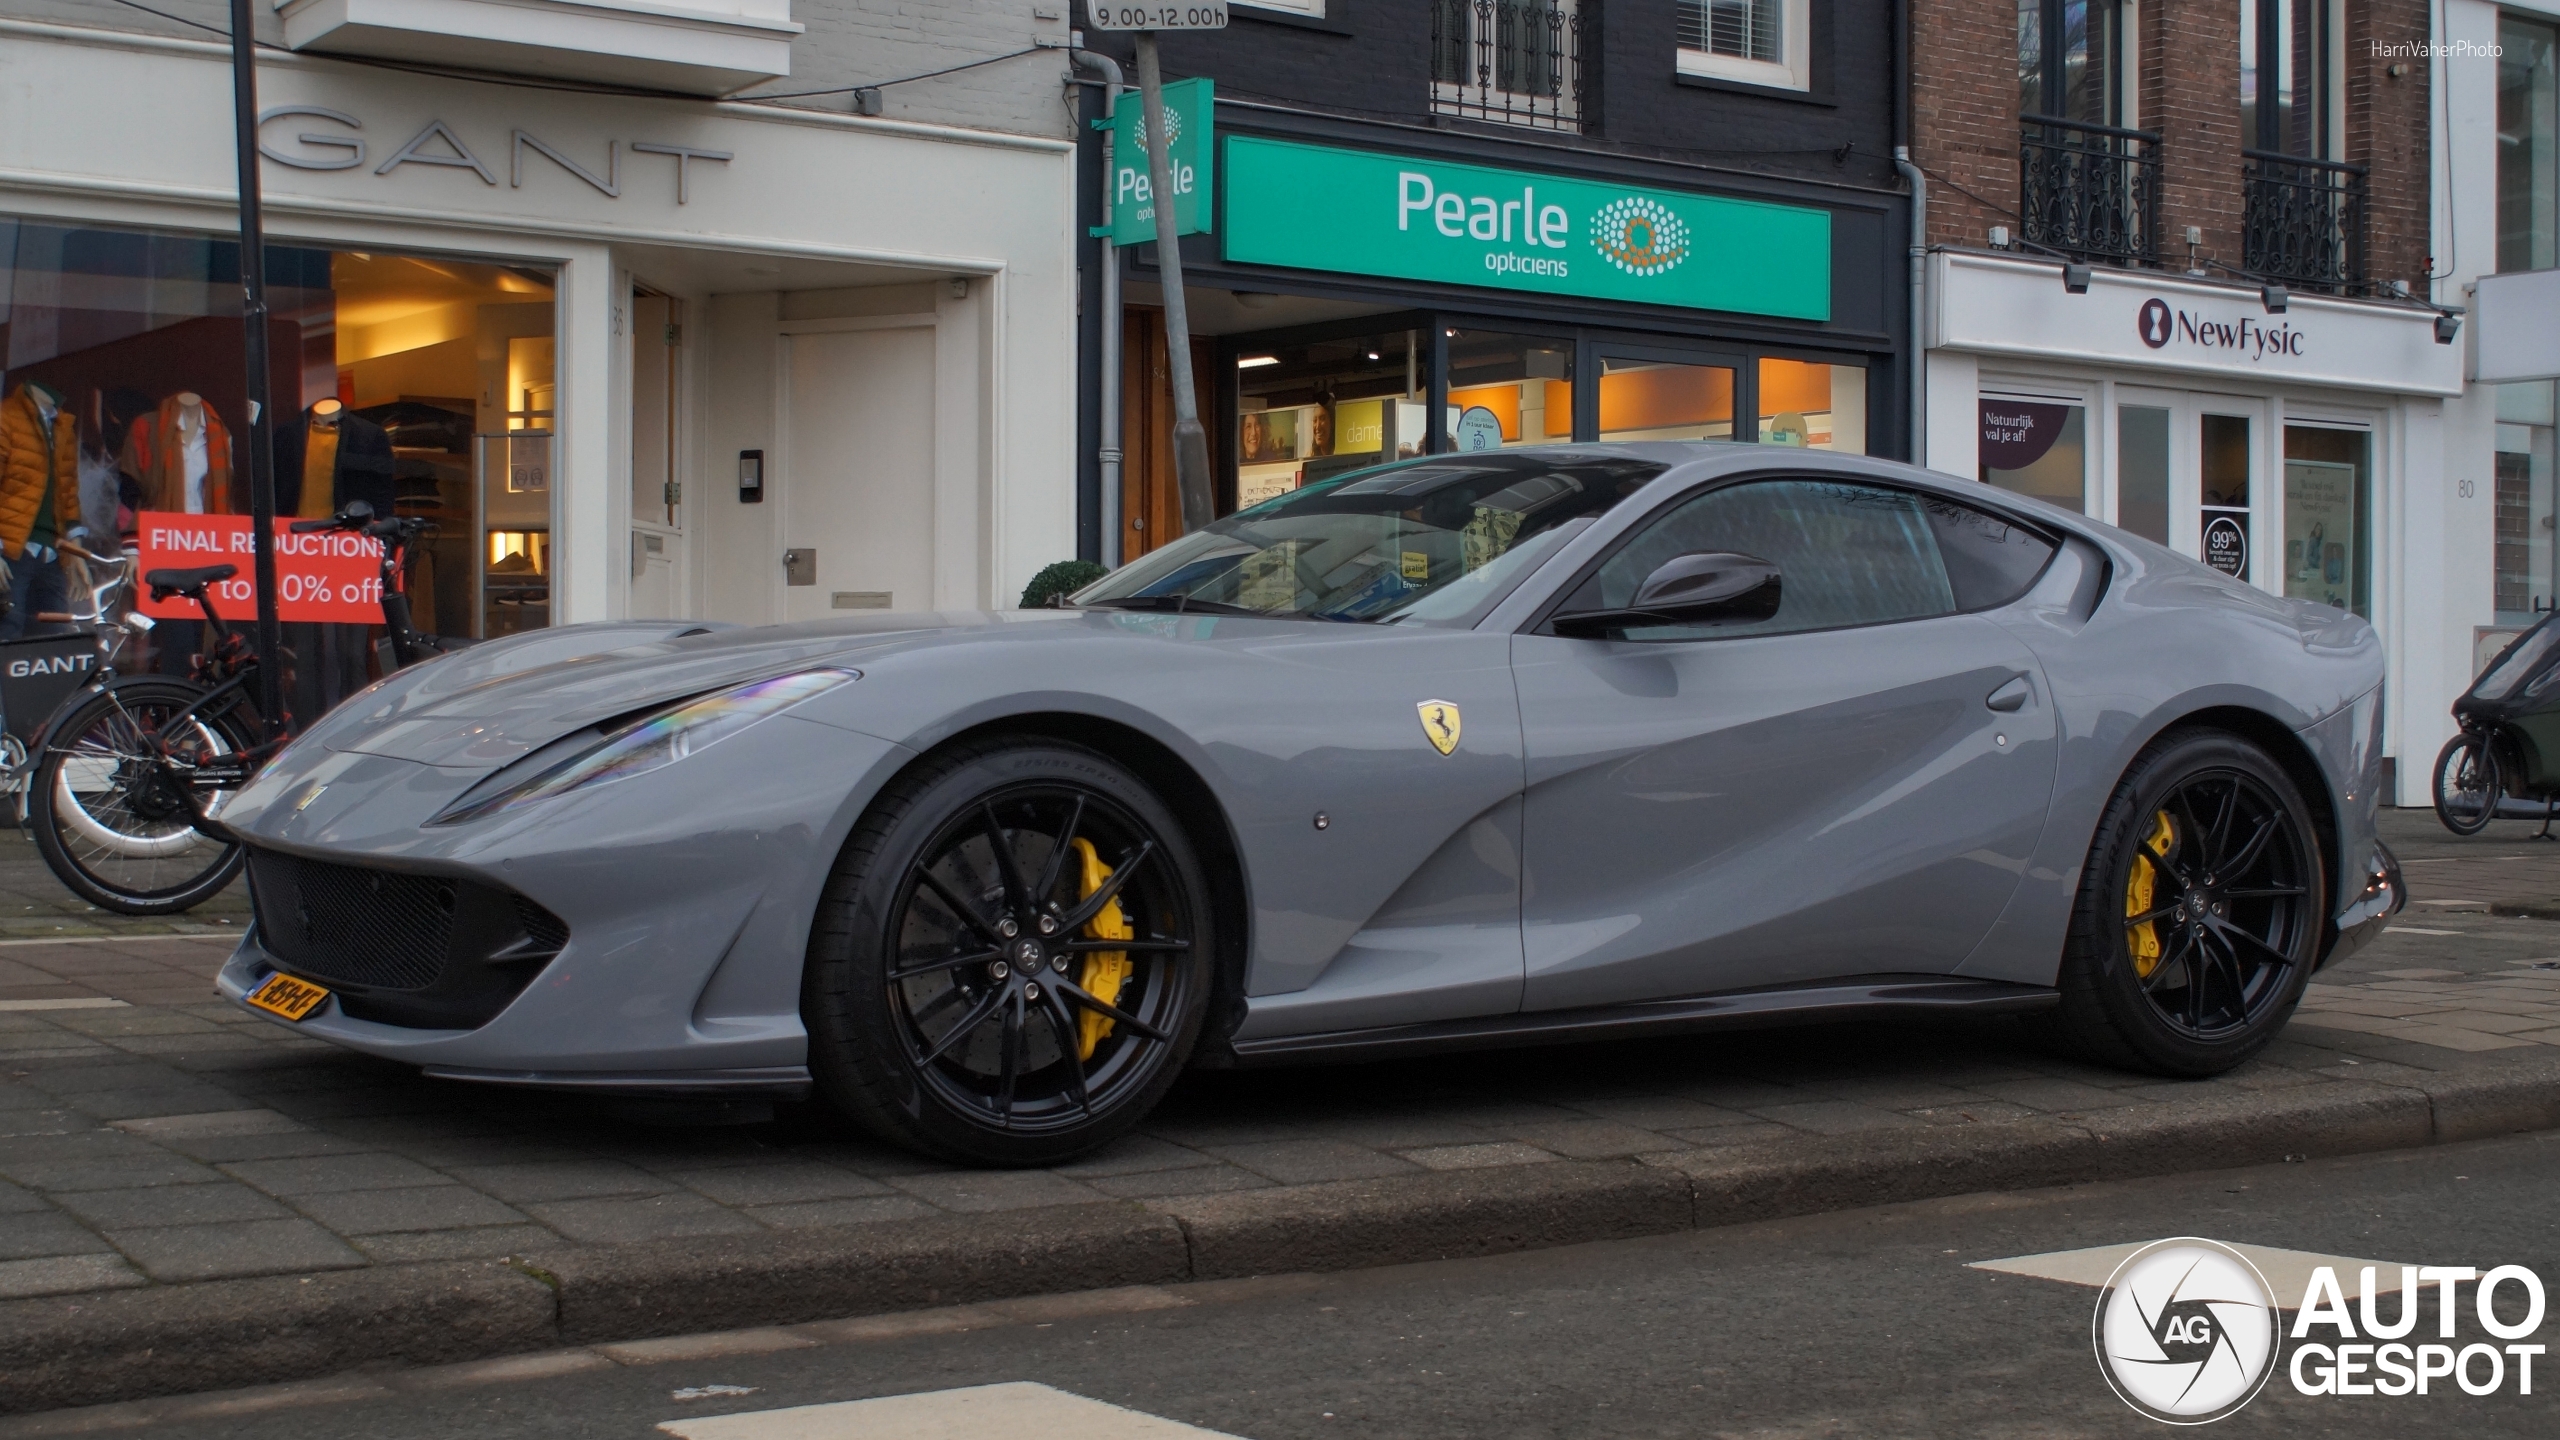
x,y
1706,587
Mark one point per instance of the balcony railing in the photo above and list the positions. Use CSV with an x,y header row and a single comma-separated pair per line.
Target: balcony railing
x,y
2090,191
2302,220
1519,62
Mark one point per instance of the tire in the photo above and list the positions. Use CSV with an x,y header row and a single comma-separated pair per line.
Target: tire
x,y
104,824
2203,975
940,1032
2468,783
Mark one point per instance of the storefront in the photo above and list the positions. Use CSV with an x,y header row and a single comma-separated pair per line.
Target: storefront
x,y
634,356
1361,281
2297,449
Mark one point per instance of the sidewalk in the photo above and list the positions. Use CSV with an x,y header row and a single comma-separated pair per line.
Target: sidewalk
x,y
195,1198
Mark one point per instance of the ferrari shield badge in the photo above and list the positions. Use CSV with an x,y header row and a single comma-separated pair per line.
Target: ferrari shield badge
x,y
1440,724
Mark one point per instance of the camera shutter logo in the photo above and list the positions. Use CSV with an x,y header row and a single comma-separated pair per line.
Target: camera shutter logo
x,y
1639,236
2187,1331
2153,324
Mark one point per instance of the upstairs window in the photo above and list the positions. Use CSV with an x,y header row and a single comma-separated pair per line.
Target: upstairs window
x,y
2070,60
1760,42
2289,98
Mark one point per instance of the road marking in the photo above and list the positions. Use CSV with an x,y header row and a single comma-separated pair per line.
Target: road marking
x,y
232,939
979,1412
2288,1271
78,1002
2414,930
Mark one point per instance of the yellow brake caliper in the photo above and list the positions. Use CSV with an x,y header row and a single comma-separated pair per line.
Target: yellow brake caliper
x,y
1105,971
2144,939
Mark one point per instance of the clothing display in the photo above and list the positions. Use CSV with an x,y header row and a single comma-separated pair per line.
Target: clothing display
x,y
39,469
180,457
328,456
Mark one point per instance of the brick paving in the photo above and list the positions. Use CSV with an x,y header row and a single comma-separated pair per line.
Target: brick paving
x,y
152,1134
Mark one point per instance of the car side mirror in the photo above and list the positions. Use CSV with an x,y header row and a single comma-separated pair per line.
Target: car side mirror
x,y
1698,589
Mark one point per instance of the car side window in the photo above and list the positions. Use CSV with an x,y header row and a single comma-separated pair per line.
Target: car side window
x,y
1991,560
1848,554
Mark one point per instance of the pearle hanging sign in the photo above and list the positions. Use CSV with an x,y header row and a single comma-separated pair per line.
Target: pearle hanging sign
x,y
1318,207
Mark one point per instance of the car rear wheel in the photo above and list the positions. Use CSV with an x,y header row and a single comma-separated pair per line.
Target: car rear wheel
x,y
2200,910
1010,964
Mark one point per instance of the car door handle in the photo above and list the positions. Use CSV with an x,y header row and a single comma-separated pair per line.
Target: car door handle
x,y
2011,696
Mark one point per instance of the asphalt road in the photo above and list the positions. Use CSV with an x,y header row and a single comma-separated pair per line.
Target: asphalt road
x,y
1861,1323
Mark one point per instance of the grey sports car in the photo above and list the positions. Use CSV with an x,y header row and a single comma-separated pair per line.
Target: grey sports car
x,y
1551,744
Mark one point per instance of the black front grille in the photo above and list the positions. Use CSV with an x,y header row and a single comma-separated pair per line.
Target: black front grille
x,y
429,951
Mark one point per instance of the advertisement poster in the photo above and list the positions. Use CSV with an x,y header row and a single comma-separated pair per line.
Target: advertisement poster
x,y
329,576
2226,542
2319,531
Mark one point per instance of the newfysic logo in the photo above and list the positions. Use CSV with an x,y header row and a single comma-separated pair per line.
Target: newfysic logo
x,y
2187,1331
1639,236
2154,322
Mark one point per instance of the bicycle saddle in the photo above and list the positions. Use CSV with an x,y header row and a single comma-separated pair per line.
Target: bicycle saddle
x,y
165,583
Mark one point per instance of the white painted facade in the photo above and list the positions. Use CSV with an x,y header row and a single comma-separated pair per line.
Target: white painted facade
x,y
2002,326
960,240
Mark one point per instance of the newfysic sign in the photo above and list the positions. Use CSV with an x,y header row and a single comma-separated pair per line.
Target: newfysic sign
x,y
1317,207
1190,110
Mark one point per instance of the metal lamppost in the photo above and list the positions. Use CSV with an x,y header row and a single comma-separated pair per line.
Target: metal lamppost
x,y
253,324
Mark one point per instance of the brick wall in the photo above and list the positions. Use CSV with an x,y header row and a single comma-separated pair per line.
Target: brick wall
x,y
1965,111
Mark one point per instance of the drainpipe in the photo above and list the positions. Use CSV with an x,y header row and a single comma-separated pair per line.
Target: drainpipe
x,y
1919,367
1108,451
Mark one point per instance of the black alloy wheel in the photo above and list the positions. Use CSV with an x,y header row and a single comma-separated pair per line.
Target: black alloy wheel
x,y
2201,910
2468,783
1012,963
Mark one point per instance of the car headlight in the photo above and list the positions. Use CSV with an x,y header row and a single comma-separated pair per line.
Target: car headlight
x,y
653,742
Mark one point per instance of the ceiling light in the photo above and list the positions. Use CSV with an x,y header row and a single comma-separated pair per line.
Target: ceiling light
x,y
1256,362
1373,354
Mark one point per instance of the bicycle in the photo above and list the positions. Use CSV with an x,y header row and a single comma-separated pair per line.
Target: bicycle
x,y
132,772
2505,763
100,612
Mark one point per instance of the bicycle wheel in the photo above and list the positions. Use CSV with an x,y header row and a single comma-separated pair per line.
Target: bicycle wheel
x,y
2467,783
108,822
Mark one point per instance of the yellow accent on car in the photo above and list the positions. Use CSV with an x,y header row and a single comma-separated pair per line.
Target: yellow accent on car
x,y
2143,940
1105,971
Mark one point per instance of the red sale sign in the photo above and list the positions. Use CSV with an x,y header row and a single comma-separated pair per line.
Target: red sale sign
x,y
330,576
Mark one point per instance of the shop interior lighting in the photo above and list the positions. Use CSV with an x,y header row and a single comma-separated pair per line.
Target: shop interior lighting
x,y
1256,362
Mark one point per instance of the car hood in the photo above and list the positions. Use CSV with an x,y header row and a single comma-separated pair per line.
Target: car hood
x,y
492,704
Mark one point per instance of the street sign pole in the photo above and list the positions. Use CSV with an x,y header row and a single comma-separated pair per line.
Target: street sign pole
x,y
253,324
1190,441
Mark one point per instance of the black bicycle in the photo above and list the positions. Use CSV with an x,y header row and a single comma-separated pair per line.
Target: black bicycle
x,y
133,771
2506,762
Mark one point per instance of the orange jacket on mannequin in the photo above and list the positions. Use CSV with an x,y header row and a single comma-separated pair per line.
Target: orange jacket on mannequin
x,y
155,455
32,456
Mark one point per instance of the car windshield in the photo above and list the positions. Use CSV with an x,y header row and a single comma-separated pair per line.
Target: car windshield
x,y
1429,541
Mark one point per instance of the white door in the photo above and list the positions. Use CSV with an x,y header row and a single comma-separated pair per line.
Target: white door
x,y
856,483
656,479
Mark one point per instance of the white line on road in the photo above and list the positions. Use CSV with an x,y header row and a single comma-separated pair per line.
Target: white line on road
x,y
2289,1271
77,1002
121,939
979,1412
2414,930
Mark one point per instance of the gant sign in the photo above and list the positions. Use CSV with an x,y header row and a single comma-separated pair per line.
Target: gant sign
x,y
2141,322
2160,326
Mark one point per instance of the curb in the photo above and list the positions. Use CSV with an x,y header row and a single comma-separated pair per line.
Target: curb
x,y
2526,909
172,1339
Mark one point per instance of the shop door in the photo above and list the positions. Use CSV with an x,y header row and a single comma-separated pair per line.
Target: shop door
x,y
2226,434
657,331
1646,393
857,471
2146,484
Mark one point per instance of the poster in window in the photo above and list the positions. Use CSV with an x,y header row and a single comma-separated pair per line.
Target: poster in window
x,y
2226,542
2319,531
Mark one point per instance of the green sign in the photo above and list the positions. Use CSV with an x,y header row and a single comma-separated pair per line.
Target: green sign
x,y
1314,207
1190,112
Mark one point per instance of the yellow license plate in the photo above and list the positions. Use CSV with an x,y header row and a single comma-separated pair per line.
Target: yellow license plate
x,y
283,995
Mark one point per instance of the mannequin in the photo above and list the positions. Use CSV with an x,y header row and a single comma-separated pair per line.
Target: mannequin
x,y
39,499
328,456
179,456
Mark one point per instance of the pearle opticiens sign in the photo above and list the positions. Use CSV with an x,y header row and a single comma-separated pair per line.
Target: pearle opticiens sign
x,y
1316,207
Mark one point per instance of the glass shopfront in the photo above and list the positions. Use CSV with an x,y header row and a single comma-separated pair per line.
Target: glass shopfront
x,y
421,385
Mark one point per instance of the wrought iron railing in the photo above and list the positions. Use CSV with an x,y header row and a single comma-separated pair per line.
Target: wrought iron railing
x,y
2302,220
2090,191
1520,62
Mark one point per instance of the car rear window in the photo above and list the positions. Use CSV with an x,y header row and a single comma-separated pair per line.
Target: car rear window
x,y
1991,560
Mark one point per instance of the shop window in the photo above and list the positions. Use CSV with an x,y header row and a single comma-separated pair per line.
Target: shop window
x,y
2036,447
1507,390
2526,539
2224,450
2142,471
1322,407
1760,42
1820,406
2328,516
2528,144
1649,400
421,386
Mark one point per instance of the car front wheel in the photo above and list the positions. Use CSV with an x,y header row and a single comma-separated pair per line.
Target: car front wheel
x,y
2200,910
1010,964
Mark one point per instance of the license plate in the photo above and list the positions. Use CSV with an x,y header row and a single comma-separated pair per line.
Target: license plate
x,y
283,995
